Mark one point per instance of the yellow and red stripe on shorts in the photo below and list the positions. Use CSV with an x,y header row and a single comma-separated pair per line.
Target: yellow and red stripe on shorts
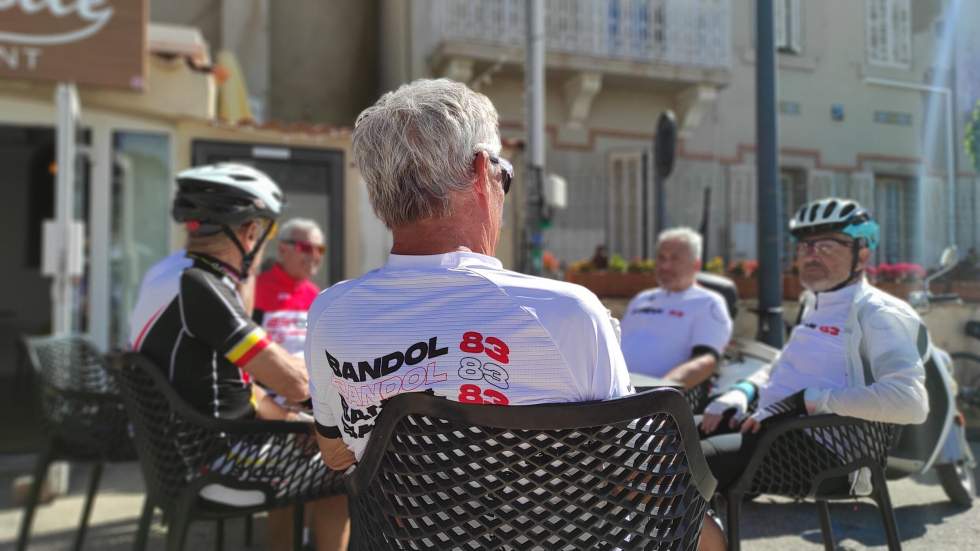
x,y
251,344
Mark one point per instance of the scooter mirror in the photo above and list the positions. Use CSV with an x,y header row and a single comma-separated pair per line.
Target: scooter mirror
x,y
949,258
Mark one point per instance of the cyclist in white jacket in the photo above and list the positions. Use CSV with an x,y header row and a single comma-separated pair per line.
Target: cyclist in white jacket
x,y
857,351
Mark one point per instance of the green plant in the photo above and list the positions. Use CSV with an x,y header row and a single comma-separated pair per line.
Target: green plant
x,y
971,138
581,267
640,266
618,264
716,266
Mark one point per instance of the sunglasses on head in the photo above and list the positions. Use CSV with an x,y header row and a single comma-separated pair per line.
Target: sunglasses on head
x,y
506,171
305,247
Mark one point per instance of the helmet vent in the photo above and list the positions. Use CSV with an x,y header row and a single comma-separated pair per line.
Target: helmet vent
x,y
800,215
242,177
813,211
848,209
829,209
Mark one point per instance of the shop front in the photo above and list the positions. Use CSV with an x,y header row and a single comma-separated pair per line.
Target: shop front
x,y
129,143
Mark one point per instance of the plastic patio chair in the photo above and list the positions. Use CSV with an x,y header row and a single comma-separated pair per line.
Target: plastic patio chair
x,y
698,396
778,467
182,452
82,417
625,473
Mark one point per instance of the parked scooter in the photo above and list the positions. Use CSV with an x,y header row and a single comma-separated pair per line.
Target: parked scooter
x,y
940,442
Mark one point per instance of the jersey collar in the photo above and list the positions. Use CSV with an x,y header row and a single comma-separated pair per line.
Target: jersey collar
x,y
456,259
215,266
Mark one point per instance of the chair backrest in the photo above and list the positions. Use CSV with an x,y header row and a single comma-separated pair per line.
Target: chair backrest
x,y
724,287
173,441
79,402
182,450
438,474
796,460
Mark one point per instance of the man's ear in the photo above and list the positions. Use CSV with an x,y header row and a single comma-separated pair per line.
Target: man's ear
x,y
250,229
481,164
864,255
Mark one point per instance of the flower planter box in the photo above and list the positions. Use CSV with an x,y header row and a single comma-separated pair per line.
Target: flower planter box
x,y
747,287
900,290
792,288
613,284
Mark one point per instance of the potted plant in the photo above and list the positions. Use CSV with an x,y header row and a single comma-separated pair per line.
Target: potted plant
x,y
897,279
743,273
621,279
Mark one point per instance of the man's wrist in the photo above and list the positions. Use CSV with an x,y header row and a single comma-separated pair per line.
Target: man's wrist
x,y
747,388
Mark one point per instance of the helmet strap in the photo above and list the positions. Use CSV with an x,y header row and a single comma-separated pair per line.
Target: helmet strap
x,y
855,273
248,257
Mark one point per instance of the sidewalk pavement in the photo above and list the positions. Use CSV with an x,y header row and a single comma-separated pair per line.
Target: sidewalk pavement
x,y
926,520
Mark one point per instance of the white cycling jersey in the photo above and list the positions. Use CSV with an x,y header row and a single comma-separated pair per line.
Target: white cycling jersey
x,y
661,328
816,354
886,345
462,327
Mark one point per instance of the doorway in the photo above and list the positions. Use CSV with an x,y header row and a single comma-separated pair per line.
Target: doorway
x,y
27,154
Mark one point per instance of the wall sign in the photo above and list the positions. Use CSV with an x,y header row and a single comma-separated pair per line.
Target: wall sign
x,y
100,42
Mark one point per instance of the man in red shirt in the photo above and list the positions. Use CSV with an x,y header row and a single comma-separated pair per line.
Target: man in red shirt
x,y
284,292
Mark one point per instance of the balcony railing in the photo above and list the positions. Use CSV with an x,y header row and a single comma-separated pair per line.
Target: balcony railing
x,y
677,32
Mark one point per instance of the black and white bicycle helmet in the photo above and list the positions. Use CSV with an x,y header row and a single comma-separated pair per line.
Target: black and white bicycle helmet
x,y
225,194
834,214
220,197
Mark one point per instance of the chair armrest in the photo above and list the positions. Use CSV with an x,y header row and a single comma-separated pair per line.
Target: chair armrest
x,y
854,442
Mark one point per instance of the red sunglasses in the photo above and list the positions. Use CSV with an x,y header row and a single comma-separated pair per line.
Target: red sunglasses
x,y
306,247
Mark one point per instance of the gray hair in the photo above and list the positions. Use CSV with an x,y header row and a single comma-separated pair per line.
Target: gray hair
x,y
686,235
290,226
416,145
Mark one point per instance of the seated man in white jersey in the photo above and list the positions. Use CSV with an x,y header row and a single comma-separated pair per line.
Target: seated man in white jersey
x,y
857,351
442,315
191,319
679,330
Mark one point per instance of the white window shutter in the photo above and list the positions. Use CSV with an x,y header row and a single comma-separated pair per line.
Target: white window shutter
x,y
624,230
779,17
901,31
820,183
795,26
742,190
863,189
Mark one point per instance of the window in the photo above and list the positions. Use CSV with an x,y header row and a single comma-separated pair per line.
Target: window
x,y
794,196
625,231
788,28
893,212
140,230
888,32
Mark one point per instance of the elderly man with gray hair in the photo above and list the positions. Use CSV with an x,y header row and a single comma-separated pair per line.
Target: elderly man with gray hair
x,y
284,292
678,330
443,315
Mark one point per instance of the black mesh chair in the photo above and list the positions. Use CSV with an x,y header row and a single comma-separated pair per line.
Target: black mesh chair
x,y
82,418
625,473
183,452
698,396
810,458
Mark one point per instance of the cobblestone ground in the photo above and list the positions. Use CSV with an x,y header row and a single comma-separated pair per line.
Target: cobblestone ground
x,y
926,520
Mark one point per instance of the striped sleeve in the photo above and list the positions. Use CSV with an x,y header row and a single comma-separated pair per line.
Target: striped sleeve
x,y
213,313
248,347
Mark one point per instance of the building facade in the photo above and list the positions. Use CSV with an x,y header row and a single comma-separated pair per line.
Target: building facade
x,y
865,110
